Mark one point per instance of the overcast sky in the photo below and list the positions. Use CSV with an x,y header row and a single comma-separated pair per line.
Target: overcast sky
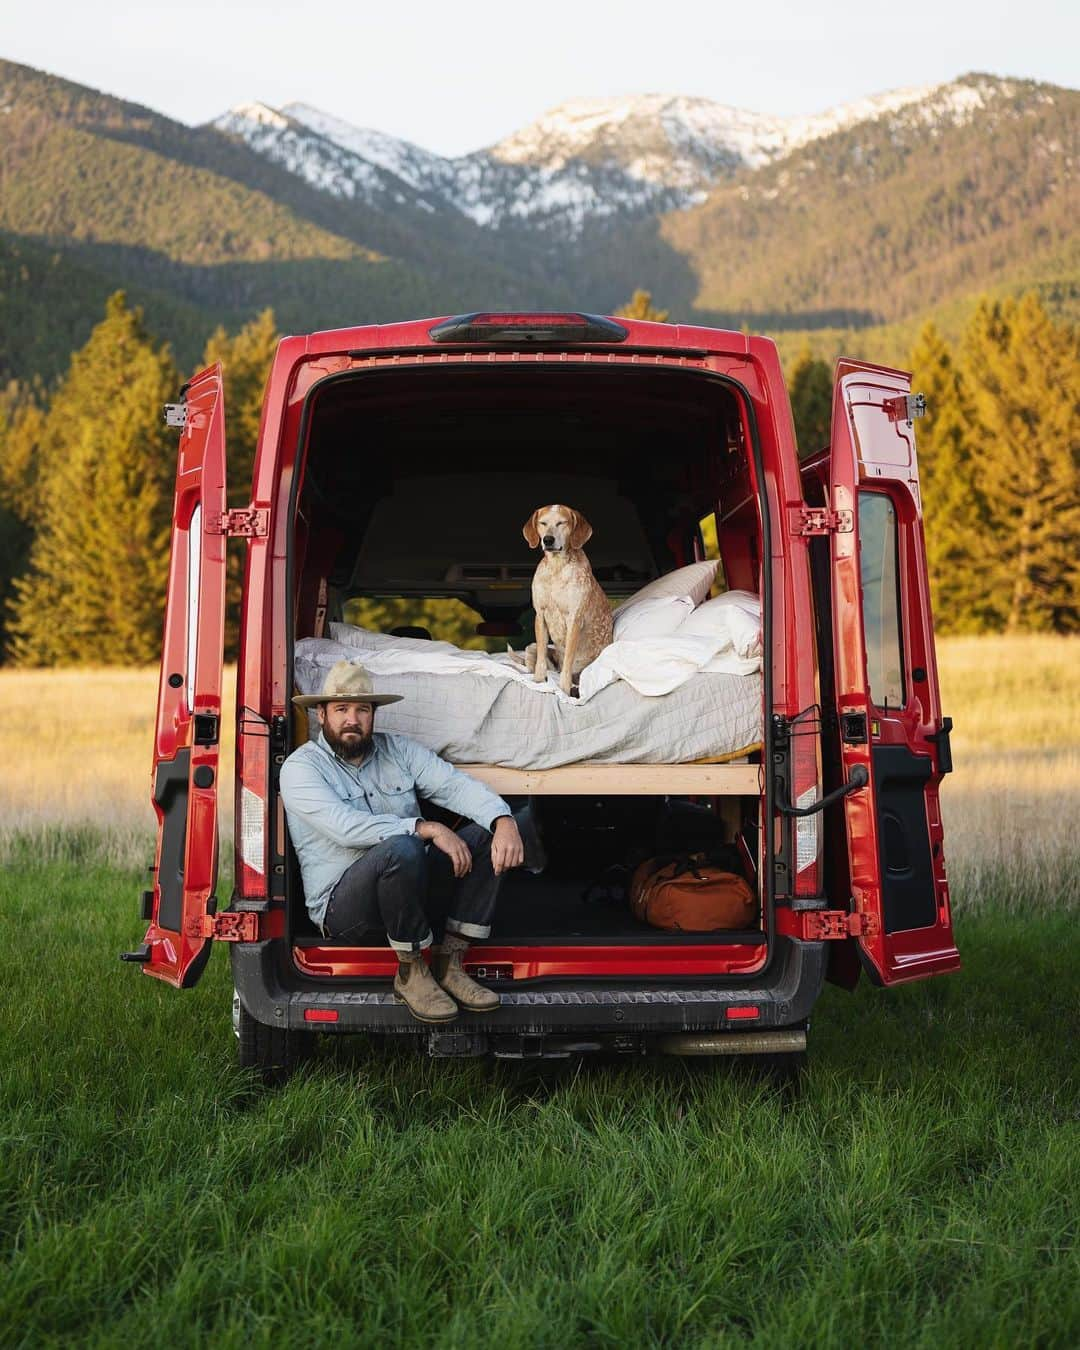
x,y
457,76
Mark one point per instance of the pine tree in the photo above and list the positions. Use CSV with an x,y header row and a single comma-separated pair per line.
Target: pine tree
x,y
94,591
958,535
21,425
1024,378
640,306
810,387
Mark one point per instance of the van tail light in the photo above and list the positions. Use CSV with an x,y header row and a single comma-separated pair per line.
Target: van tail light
x,y
252,765
806,790
514,326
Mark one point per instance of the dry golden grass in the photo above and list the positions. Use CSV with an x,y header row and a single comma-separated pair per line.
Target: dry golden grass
x,y
76,748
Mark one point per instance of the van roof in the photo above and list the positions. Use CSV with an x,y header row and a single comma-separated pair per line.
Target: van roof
x,y
416,333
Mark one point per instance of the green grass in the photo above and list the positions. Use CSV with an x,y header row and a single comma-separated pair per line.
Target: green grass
x,y
921,1191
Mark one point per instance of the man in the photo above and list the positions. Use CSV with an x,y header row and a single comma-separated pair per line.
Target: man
x,y
368,857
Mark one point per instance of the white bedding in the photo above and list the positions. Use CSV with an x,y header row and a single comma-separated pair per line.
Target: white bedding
x,y
665,707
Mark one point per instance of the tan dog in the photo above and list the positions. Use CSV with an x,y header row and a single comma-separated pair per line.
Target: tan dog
x,y
571,609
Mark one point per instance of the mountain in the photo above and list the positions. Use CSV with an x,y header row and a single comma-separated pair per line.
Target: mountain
x,y
196,227
866,217
586,159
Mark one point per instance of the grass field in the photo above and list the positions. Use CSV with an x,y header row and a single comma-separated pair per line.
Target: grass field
x,y
922,1190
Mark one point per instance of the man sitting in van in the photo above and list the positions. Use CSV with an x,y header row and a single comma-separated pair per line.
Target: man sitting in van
x,y
367,856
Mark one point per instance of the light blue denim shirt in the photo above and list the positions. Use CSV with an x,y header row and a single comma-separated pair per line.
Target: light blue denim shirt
x,y
336,809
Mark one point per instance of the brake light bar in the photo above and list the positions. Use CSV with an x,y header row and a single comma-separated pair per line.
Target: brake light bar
x,y
536,326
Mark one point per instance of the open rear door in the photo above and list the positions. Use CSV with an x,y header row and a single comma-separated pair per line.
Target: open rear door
x,y
184,786
885,675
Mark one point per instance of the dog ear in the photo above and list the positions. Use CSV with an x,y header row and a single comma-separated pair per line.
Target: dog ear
x,y
529,530
582,531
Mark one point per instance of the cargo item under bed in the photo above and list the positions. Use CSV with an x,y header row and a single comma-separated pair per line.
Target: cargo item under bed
x,y
489,726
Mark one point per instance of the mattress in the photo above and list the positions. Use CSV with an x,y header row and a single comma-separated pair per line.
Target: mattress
x,y
474,719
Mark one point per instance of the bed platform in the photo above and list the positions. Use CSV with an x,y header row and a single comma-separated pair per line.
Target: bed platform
x,y
612,780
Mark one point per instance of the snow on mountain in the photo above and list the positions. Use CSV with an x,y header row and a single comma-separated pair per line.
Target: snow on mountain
x,y
584,160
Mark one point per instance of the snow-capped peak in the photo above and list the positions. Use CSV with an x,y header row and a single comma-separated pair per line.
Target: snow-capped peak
x,y
254,115
585,159
387,152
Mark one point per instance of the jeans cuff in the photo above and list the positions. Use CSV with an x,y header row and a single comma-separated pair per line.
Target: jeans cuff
x,y
411,948
472,930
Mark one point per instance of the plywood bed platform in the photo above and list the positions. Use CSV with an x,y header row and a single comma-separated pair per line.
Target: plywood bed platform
x,y
626,780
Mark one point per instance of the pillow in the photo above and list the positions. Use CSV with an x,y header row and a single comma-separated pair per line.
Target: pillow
x,y
734,616
693,581
655,618
365,639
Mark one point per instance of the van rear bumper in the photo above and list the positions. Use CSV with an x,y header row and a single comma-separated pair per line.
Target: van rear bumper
x,y
783,996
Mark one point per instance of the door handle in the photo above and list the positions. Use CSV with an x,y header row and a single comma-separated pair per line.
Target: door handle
x,y
944,747
859,779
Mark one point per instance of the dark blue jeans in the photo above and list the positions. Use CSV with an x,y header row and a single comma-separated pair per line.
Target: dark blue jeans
x,y
396,885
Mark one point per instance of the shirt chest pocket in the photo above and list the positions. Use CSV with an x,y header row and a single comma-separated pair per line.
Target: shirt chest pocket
x,y
393,796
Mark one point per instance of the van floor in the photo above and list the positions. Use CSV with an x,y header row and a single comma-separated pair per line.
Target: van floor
x,y
535,910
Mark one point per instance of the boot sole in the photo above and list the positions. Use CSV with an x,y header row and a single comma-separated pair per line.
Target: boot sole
x,y
431,1021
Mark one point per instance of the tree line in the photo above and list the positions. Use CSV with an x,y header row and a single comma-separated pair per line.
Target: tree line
x,y
999,465
87,474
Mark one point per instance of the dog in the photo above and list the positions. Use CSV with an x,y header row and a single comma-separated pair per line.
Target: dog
x,y
571,609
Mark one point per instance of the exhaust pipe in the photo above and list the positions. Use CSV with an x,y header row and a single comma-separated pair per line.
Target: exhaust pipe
x,y
734,1043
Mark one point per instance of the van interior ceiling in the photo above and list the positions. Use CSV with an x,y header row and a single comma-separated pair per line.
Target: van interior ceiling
x,y
415,484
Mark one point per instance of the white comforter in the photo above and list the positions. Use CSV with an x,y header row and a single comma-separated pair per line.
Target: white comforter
x,y
475,719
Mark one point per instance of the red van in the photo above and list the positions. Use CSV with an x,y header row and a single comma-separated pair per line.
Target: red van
x,y
400,461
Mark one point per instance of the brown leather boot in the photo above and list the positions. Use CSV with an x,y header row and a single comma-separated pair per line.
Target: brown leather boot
x,y
446,967
416,988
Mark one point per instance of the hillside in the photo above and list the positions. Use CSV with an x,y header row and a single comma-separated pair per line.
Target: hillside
x,y
845,228
896,213
99,194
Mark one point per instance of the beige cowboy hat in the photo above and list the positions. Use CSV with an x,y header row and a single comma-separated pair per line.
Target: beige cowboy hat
x,y
346,683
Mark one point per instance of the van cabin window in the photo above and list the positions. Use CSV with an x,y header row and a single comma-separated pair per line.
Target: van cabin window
x,y
878,560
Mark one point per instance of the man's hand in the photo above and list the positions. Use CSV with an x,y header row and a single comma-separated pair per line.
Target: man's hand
x,y
449,843
507,850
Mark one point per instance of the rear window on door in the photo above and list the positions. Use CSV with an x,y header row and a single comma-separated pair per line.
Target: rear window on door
x,y
879,551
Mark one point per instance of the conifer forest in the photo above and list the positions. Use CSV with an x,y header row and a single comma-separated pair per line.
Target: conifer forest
x,y
87,465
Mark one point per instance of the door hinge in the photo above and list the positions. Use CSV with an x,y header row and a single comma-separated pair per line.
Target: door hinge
x,y
228,927
246,523
832,925
806,520
905,407
175,414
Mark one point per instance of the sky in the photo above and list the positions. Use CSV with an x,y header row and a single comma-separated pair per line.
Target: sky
x,y
456,77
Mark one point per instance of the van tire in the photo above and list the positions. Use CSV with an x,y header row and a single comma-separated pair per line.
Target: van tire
x,y
273,1053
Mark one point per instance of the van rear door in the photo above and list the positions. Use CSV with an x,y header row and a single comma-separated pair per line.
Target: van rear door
x,y
184,785
887,702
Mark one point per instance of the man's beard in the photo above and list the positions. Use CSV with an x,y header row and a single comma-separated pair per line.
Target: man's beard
x,y
353,747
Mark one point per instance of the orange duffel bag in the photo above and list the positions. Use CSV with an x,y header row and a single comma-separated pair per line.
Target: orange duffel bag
x,y
690,895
